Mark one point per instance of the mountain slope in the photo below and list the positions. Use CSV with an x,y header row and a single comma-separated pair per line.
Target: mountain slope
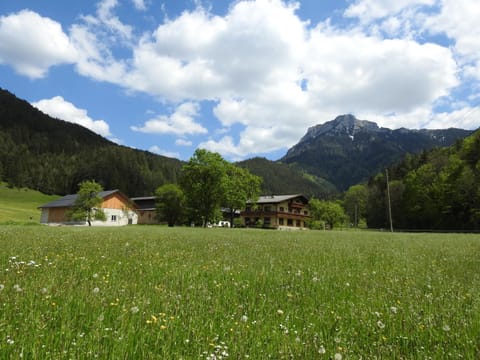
x,y
281,178
346,151
53,156
434,190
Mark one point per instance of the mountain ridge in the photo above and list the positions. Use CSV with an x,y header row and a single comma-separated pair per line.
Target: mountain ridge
x,y
346,151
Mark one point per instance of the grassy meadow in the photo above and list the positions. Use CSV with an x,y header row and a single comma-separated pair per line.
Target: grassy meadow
x,y
20,206
150,292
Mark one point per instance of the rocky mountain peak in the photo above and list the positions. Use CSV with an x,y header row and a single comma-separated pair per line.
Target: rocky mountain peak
x,y
342,125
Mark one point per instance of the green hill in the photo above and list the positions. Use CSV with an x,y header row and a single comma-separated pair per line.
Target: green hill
x,y
53,156
21,205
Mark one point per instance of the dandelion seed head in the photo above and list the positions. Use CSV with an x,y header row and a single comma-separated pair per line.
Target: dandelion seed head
x,y
338,356
393,309
96,290
134,309
380,324
446,327
244,318
321,350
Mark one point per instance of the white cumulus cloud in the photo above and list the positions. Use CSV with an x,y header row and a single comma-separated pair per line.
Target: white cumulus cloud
x,y
59,108
181,122
31,44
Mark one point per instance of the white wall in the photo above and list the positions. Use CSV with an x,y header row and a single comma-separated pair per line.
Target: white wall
x,y
117,217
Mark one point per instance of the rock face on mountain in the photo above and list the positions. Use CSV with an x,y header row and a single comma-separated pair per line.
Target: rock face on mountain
x,y
346,151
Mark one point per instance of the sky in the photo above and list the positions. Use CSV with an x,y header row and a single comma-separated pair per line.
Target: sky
x,y
242,78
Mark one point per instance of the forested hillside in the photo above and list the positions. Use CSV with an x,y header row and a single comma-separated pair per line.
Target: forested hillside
x,y
435,190
279,178
53,156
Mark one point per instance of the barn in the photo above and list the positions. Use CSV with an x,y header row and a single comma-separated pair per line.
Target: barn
x,y
118,209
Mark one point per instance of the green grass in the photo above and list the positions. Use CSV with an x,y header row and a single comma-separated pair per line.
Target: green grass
x,y
161,293
21,205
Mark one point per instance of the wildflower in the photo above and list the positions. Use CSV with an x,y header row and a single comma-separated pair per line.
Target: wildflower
x,y
10,341
280,312
95,275
244,318
17,288
338,356
393,309
315,279
380,324
2,287
321,350
96,290
446,327
43,290
134,309
163,327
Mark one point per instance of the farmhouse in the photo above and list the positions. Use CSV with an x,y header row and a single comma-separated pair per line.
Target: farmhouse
x,y
277,211
118,209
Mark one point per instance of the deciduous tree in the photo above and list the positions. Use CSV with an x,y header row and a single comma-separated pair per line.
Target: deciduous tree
x,y
87,204
170,203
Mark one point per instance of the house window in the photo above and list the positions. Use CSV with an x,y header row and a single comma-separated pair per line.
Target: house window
x,y
268,208
299,223
247,221
289,222
280,221
282,209
114,218
305,212
266,222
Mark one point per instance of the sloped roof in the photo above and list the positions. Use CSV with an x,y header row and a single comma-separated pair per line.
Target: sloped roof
x,y
69,200
272,199
145,202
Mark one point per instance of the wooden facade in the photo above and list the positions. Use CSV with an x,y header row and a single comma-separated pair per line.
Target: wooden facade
x,y
278,212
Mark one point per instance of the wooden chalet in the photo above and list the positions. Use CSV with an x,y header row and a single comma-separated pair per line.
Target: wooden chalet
x,y
277,211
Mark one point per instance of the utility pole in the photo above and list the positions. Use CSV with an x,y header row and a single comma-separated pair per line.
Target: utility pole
x,y
389,203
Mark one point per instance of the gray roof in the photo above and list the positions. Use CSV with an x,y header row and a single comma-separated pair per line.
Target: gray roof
x,y
269,199
69,200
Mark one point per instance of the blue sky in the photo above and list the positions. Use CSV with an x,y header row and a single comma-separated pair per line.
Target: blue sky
x,y
243,78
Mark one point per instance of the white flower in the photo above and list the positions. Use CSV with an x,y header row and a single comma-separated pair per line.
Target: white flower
x,y
280,312
380,324
95,275
338,356
446,327
321,350
96,290
2,287
134,309
393,309
17,288
10,341
244,318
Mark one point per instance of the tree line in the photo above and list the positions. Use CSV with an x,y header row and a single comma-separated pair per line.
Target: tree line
x,y
434,190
